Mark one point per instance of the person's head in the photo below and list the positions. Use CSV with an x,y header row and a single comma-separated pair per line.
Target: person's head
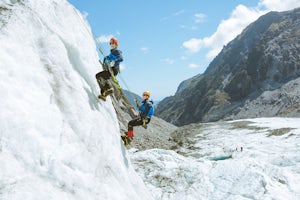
x,y
113,42
146,95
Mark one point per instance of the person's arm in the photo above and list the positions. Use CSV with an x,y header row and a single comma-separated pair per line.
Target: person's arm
x,y
117,56
150,110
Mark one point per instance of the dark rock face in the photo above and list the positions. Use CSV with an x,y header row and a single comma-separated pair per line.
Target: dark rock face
x,y
264,57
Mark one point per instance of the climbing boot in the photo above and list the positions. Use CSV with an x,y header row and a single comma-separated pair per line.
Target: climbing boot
x,y
108,91
145,126
127,140
105,93
100,96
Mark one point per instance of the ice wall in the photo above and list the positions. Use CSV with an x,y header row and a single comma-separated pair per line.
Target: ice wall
x,y
57,140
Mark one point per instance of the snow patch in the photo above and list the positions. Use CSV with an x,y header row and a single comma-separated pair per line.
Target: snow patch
x,y
227,160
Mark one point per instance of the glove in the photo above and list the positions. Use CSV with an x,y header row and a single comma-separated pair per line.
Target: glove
x,y
112,63
145,120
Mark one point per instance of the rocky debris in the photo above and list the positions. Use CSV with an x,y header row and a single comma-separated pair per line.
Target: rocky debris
x,y
157,135
158,132
284,101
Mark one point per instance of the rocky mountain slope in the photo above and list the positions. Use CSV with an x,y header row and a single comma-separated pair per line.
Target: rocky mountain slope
x,y
156,135
264,57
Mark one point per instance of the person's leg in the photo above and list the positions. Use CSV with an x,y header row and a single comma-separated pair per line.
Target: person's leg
x,y
145,122
131,124
103,82
116,70
128,137
100,80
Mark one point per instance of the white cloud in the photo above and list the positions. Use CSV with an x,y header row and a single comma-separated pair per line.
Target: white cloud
x,y
229,28
191,27
144,49
199,17
183,58
193,45
85,14
104,38
193,65
177,13
168,61
278,5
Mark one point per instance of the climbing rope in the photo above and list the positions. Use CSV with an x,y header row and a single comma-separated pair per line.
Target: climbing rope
x,y
103,53
101,50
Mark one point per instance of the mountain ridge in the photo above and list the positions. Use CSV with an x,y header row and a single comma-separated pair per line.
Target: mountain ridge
x,y
264,57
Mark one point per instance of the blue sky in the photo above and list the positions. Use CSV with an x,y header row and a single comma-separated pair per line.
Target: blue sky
x,y
167,41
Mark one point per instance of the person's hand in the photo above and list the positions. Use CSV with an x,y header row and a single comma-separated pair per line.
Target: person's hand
x,y
145,120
